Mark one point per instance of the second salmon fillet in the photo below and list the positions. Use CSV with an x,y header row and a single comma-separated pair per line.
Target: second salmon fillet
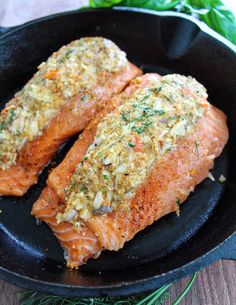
x,y
134,164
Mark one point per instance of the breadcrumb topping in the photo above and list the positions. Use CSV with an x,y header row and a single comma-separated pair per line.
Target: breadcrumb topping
x,y
74,69
143,128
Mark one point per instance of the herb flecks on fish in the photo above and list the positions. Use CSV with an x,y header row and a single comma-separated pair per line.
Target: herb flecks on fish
x,y
129,140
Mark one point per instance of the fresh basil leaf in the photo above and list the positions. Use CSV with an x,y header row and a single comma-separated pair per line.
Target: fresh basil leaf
x,y
103,3
159,5
222,21
215,14
200,4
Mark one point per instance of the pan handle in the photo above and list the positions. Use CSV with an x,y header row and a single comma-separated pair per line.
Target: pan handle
x,y
228,249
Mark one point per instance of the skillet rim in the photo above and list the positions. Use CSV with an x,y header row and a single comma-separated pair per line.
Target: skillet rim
x,y
203,26
120,289
133,286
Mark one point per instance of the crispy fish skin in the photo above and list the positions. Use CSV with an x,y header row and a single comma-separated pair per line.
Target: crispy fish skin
x,y
72,118
171,179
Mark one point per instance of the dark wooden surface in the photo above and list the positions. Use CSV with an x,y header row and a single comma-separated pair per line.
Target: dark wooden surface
x,y
216,284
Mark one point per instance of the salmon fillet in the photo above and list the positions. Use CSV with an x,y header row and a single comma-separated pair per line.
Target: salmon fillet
x,y
169,182
79,244
72,117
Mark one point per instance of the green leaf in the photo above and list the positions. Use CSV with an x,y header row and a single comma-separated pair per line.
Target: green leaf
x,y
215,14
160,5
103,3
222,21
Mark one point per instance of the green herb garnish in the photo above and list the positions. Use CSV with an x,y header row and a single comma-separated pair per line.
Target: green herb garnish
x,y
178,201
131,144
160,112
66,56
106,177
72,183
84,159
124,117
8,120
140,129
157,297
169,98
214,13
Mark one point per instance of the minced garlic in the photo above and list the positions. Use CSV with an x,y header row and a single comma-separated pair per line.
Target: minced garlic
x,y
144,127
75,68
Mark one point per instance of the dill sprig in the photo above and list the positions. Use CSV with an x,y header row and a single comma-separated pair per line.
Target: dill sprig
x,y
29,297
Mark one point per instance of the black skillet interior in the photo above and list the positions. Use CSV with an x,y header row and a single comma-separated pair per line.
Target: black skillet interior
x,y
167,43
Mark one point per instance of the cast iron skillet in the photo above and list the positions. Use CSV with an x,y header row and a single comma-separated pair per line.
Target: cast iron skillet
x,y
174,246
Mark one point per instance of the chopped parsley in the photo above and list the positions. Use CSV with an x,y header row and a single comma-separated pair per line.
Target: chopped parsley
x,y
145,97
169,98
140,129
72,183
124,117
84,159
131,144
106,177
160,112
178,202
8,120
66,56
146,113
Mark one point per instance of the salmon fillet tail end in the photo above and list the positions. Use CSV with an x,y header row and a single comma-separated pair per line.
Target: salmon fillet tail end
x,y
79,244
